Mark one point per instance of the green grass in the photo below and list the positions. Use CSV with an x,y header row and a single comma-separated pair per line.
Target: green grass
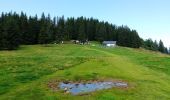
x,y
25,73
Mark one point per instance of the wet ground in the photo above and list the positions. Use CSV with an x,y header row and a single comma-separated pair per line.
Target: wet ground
x,y
78,88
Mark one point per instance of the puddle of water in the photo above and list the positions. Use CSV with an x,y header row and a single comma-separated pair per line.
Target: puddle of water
x,y
77,88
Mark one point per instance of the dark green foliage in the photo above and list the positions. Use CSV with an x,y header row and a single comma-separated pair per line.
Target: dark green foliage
x,y
161,47
18,29
60,29
166,50
9,33
69,28
150,45
127,37
101,32
45,30
1,37
82,32
154,46
29,35
44,35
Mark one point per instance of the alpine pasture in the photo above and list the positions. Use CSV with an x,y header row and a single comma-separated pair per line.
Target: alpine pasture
x,y
25,73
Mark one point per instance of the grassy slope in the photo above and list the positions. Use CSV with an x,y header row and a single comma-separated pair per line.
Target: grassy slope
x,y
24,73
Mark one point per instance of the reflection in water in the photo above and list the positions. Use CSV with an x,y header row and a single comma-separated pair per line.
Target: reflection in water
x,y
77,88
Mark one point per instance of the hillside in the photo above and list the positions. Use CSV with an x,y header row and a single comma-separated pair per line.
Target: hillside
x,y
25,73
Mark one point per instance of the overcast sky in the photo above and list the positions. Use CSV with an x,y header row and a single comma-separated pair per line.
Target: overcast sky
x,y
151,18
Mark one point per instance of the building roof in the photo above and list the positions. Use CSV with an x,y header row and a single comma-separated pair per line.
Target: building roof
x,y
109,42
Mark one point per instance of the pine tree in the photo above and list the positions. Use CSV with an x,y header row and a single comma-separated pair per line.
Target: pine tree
x,y
100,32
45,30
155,46
82,34
60,29
32,30
10,34
166,50
90,29
69,29
123,36
44,36
54,30
135,40
1,37
23,28
161,47
31,35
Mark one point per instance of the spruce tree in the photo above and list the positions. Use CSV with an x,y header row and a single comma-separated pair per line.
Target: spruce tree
x,y
100,32
10,34
60,29
45,30
166,50
82,34
1,37
44,36
161,47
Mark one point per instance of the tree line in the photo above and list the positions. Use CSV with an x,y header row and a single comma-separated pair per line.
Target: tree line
x,y
155,46
17,29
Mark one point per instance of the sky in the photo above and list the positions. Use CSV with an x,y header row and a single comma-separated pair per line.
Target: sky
x,y
151,18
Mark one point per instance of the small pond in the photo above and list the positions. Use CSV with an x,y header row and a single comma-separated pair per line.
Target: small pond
x,y
77,88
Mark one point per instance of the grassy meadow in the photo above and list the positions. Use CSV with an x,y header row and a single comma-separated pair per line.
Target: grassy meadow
x,y
26,72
